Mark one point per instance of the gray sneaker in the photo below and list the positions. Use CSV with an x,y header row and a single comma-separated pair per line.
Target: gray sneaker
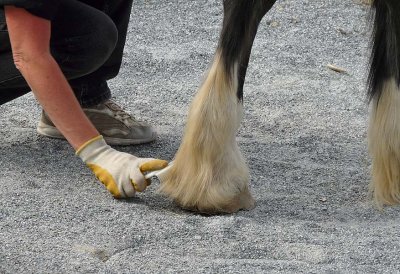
x,y
117,126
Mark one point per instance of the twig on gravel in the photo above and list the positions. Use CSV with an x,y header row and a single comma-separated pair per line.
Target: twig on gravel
x,y
336,69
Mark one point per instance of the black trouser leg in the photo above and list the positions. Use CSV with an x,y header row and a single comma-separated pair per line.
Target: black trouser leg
x,y
84,44
93,89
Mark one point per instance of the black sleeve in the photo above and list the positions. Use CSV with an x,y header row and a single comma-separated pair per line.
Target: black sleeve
x,y
43,8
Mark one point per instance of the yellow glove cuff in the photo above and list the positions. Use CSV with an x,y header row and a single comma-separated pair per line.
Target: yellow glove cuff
x,y
87,143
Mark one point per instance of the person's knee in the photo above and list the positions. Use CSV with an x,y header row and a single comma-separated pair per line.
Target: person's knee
x,y
102,43
85,53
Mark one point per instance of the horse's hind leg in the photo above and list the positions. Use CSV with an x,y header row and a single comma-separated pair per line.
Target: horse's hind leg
x,y
384,131
209,173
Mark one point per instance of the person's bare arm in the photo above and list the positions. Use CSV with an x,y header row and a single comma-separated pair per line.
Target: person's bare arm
x,y
30,42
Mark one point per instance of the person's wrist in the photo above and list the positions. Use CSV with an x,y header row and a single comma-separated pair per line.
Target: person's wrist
x,y
86,150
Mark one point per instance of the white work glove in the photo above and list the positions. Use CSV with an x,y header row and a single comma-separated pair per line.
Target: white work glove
x,y
121,173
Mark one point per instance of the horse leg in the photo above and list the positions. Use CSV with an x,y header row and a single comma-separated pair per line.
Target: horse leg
x,y
384,93
209,173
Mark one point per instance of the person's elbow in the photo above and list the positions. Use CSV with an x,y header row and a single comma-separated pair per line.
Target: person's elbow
x,y
26,58
20,60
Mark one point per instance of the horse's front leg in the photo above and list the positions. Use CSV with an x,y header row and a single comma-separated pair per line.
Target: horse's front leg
x,y
209,173
384,130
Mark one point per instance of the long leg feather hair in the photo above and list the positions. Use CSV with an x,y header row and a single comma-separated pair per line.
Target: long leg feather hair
x,y
209,173
384,93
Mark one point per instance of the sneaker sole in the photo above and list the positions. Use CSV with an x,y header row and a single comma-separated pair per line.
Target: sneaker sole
x,y
126,142
52,132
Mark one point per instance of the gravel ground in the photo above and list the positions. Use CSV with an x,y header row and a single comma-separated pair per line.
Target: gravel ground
x,y
303,135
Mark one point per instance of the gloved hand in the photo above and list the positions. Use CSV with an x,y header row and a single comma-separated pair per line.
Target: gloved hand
x,y
120,172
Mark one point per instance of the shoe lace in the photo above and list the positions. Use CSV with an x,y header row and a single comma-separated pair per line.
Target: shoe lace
x,y
119,112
